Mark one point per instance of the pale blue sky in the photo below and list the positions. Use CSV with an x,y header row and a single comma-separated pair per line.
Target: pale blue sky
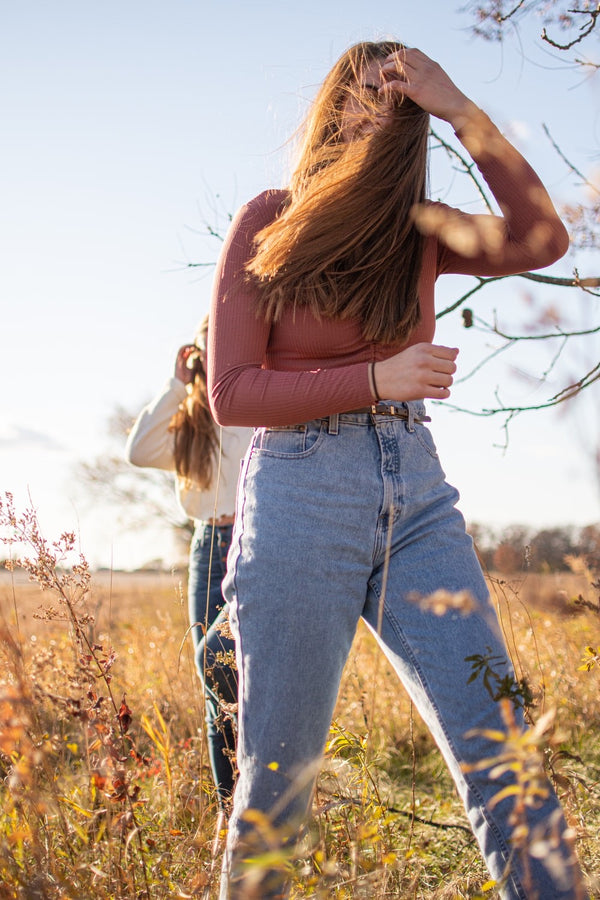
x,y
122,121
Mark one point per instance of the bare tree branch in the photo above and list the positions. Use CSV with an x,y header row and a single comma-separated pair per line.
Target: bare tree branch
x,y
490,19
467,167
587,64
572,167
559,333
592,13
492,13
500,18
574,282
562,396
483,362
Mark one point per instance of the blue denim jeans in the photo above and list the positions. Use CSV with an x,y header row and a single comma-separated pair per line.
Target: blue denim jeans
x,y
208,557
338,519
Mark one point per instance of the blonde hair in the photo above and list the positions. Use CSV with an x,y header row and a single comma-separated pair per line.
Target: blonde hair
x,y
345,245
195,433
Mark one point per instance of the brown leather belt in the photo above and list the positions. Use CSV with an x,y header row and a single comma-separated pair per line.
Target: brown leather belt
x,y
382,409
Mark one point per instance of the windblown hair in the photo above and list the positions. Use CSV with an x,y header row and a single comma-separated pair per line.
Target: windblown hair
x,y
346,245
194,429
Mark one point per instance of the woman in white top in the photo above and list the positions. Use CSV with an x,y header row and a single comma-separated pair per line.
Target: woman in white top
x,y
177,432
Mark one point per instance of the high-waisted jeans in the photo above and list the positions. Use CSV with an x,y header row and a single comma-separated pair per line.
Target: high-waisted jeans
x,y
212,650
336,519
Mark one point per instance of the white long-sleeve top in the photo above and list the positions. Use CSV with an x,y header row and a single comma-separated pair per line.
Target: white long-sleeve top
x,y
151,444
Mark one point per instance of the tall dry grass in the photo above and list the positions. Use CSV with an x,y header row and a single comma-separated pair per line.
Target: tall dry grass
x,y
106,790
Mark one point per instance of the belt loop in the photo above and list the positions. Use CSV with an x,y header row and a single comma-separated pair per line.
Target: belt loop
x,y
333,427
410,422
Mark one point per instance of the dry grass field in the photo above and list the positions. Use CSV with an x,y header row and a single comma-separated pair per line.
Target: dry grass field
x,y
106,790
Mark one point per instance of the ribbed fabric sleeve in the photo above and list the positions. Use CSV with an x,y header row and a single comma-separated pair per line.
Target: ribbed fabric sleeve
x,y
302,367
529,236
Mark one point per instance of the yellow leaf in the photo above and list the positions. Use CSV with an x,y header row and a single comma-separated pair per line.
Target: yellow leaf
x,y
83,836
269,859
256,817
490,733
508,791
84,812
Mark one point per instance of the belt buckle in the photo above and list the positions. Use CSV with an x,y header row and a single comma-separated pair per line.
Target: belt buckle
x,y
398,412
380,409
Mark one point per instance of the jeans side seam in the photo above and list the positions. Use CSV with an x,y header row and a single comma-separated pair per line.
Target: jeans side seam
x,y
503,846
232,575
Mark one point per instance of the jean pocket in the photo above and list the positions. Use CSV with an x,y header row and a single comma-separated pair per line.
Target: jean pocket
x,y
426,440
289,441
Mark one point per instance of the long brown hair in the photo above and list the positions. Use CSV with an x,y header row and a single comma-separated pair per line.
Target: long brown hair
x,y
194,429
345,245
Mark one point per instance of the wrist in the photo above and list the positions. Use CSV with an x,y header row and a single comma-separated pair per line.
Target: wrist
x,y
466,114
184,375
373,382
381,386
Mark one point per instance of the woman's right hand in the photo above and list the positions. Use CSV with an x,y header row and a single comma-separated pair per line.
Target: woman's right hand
x,y
421,371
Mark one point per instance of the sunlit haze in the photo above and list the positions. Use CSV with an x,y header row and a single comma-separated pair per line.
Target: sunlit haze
x,y
130,127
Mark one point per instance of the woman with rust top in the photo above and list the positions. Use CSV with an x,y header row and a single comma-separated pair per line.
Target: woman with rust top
x,y
322,338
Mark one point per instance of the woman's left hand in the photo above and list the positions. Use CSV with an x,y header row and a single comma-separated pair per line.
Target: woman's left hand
x,y
413,74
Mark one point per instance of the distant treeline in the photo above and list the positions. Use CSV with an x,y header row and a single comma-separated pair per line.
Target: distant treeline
x,y
519,548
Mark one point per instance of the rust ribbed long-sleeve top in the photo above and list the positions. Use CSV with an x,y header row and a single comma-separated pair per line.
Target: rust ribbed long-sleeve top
x,y
301,367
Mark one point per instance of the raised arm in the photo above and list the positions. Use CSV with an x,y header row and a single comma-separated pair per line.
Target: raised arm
x,y
529,234
150,443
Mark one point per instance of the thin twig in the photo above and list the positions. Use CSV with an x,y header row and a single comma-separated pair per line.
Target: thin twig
x,y
409,814
592,13
510,411
500,19
546,336
574,282
484,362
468,167
568,162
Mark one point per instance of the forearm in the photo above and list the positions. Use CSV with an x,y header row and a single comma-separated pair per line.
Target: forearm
x,y
530,234
533,227
256,397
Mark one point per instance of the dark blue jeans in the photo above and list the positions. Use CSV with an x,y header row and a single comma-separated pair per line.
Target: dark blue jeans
x,y
213,652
